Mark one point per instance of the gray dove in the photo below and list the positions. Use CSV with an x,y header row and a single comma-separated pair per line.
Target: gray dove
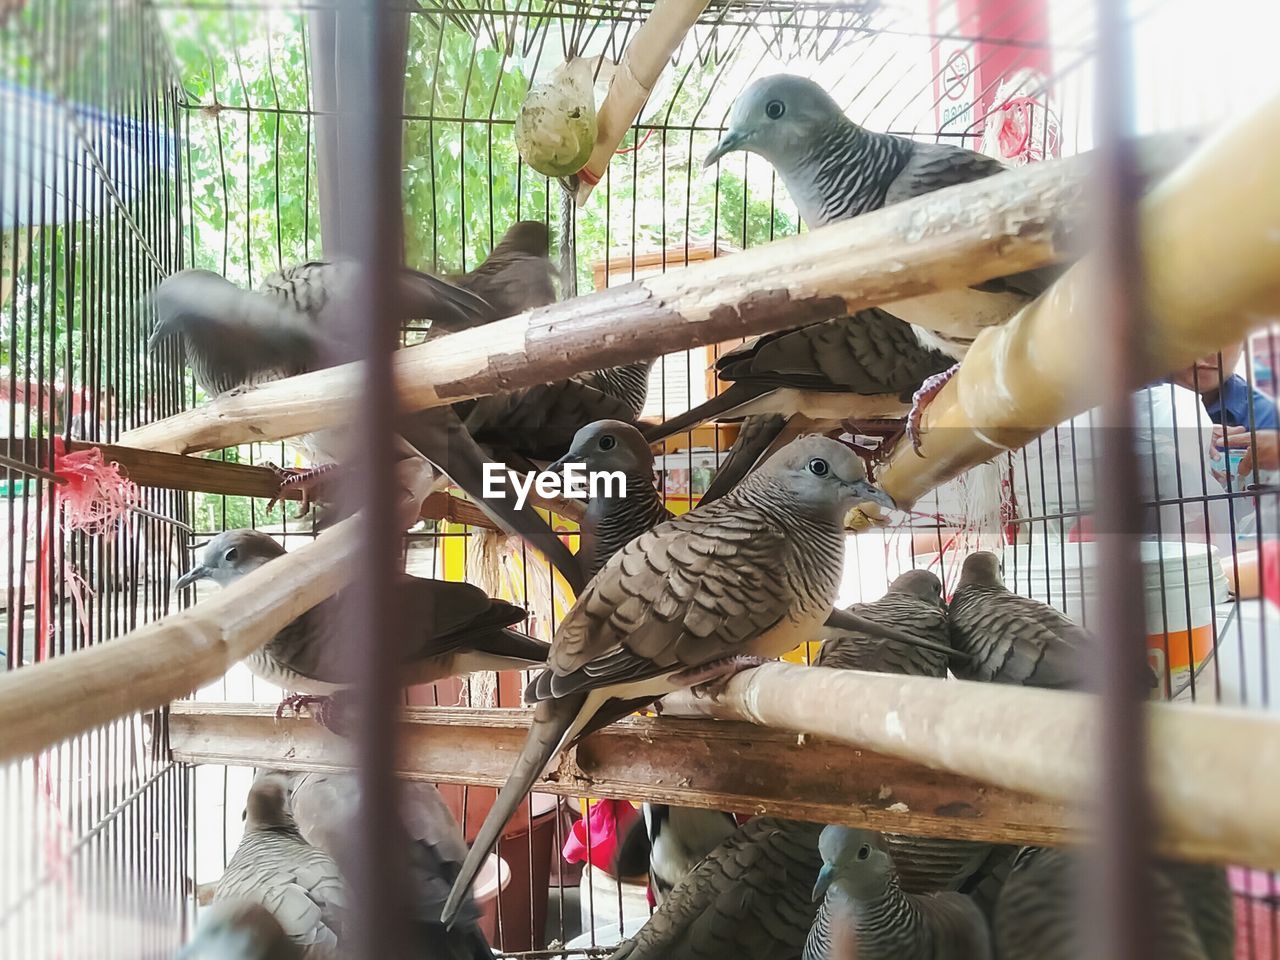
x,y
749,899
299,884
1011,638
835,169
325,805
515,277
1206,891
667,842
810,380
239,930
469,631
1038,913
861,894
236,338
752,574
613,519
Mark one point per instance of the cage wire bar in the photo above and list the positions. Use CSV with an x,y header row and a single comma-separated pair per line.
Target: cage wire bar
x,y
154,136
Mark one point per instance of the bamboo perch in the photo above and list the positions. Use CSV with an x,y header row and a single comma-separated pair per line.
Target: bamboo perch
x,y
1213,773
697,763
46,703
646,56
1211,246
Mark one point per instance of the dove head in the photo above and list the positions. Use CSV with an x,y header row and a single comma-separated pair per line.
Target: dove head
x,y
821,472
854,861
919,583
267,805
609,445
230,555
527,236
777,118
982,569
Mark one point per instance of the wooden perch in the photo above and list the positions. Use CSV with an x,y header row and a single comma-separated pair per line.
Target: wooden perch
x,y
693,763
1019,220
646,56
46,703
1213,773
1211,255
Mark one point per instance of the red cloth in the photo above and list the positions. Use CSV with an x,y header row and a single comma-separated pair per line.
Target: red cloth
x,y
1269,556
604,824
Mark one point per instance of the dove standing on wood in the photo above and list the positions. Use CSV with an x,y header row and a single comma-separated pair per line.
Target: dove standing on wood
x,y
237,338
449,628
749,899
752,574
835,169
859,887
299,884
861,367
240,930
325,806
1038,915
1011,638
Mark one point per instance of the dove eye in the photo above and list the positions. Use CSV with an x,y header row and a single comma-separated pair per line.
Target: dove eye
x,y
608,442
819,467
775,109
231,555
864,851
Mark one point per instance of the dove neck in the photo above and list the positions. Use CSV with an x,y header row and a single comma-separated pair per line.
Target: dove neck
x,y
613,522
877,903
846,171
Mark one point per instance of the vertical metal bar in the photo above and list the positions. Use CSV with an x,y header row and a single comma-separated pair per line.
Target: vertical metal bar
x,y
369,137
1119,886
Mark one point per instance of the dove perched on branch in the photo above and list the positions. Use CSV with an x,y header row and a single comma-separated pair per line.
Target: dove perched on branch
x,y
859,887
864,366
324,805
835,169
237,338
297,883
448,628
752,574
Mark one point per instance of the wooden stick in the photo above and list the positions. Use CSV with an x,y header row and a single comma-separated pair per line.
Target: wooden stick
x,y
646,56
693,763
43,704
1212,272
1019,220
1214,772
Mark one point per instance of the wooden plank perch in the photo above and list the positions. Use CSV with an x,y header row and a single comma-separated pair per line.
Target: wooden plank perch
x,y
1213,773
1211,252
46,703
646,56
1019,220
698,763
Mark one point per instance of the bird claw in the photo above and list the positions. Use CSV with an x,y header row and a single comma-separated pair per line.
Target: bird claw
x,y
921,399
306,480
329,712
711,679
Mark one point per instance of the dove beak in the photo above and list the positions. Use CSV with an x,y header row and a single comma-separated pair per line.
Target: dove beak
x,y
559,465
730,142
200,572
825,876
868,491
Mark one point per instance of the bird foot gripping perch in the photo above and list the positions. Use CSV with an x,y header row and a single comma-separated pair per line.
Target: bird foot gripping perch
x,y
307,480
921,399
712,678
329,712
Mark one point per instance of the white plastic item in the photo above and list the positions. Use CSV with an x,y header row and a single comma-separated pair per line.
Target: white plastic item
x,y
1182,584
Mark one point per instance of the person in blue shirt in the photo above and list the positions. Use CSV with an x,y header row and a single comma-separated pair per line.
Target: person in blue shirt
x,y
1236,409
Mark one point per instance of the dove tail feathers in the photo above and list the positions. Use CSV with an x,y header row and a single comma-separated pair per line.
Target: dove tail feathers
x,y
554,722
758,434
732,398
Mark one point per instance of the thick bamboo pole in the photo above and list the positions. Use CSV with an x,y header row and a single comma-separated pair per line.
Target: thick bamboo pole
x,y
1213,773
1020,220
43,704
646,56
1212,274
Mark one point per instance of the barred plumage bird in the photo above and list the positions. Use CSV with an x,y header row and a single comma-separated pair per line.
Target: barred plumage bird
x,y
752,574
860,892
299,884
914,604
